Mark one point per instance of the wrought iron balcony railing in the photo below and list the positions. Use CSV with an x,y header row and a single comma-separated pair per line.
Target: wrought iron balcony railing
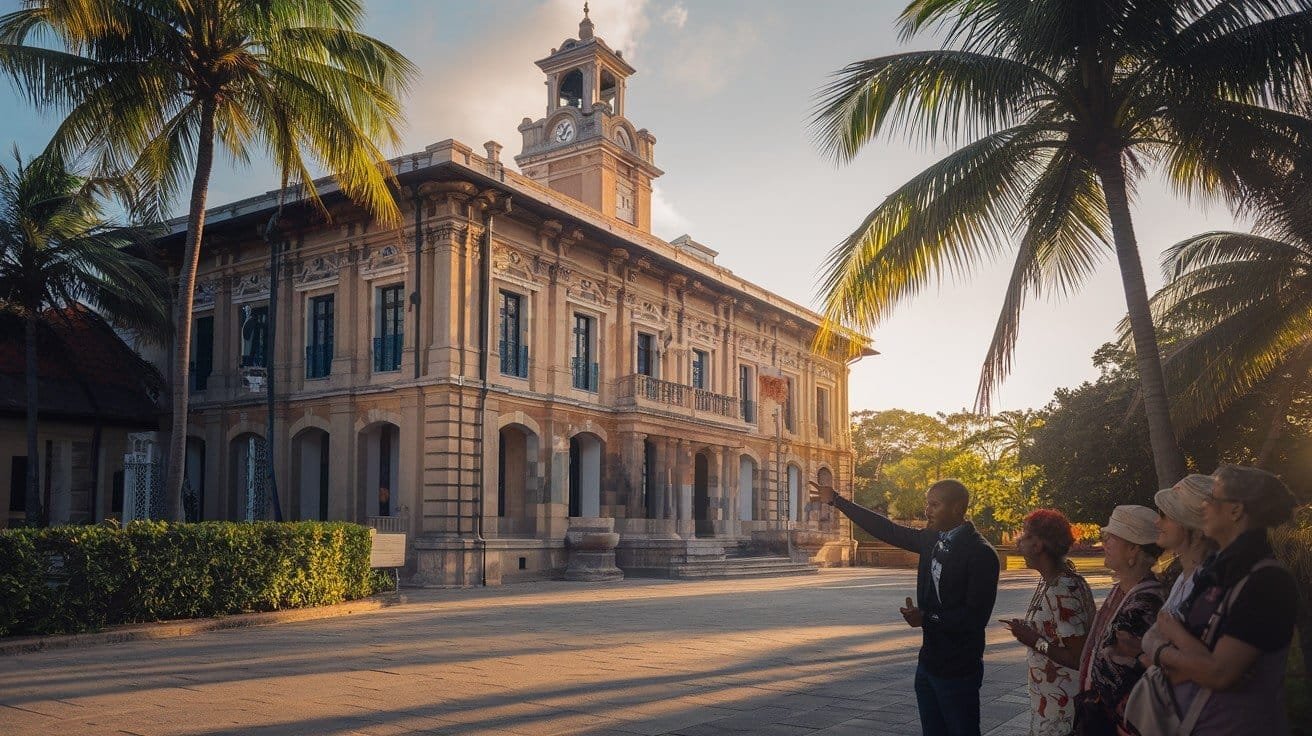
x,y
318,360
387,353
644,388
749,411
514,360
585,374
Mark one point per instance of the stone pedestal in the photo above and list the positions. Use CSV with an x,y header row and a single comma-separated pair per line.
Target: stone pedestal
x,y
590,546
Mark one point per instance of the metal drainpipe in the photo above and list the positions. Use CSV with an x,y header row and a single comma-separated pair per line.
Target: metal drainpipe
x,y
419,276
502,204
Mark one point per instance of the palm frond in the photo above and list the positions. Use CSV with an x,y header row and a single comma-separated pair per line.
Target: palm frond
x,y
961,209
944,94
1066,238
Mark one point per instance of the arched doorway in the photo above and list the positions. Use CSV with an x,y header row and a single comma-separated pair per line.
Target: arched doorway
x,y
701,496
310,461
747,503
249,458
380,465
585,453
794,491
824,515
193,496
517,457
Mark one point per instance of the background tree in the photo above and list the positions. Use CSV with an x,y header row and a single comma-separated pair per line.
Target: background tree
x,y
1062,105
1093,450
58,251
899,454
155,84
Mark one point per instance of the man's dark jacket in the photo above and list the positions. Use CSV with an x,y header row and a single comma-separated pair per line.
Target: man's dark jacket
x,y
953,643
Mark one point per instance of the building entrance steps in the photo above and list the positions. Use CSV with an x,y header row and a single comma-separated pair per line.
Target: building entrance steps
x,y
689,559
741,567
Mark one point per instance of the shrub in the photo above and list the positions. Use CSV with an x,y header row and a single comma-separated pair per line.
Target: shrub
x,y
78,578
1293,545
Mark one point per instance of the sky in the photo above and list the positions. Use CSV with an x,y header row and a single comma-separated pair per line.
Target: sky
x,y
727,88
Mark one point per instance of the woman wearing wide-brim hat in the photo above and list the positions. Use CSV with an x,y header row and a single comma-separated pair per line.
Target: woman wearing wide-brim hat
x,y
1230,644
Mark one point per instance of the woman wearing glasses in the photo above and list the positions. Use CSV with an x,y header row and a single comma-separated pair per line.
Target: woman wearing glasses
x,y
1227,649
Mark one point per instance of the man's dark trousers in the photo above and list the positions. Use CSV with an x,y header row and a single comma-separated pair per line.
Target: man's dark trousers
x,y
951,667
948,705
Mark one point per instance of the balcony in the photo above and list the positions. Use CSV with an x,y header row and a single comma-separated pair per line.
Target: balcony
x,y
585,374
318,361
387,353
749,411
514,360
647,392
198,377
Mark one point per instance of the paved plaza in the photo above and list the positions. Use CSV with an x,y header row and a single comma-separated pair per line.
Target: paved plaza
x,y
823,655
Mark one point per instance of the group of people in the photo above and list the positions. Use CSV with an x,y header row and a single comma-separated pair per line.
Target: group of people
x,y
1197,646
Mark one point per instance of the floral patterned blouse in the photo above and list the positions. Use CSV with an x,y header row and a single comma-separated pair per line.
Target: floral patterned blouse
x,y
1059,610
1101,670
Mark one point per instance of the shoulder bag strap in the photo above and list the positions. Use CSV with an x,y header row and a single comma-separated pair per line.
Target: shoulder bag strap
x,y
1209,638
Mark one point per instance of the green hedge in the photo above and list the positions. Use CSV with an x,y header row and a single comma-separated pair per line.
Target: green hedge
x,y
79,578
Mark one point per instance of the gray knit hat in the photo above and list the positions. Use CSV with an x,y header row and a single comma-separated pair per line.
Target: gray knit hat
x,y
1184,500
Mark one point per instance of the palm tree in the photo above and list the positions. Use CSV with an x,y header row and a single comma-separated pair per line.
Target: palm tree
x,y
1061,105
1013,432
57,251
1242,304
156,84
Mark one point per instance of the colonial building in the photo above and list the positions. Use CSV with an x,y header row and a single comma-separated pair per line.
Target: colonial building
x,y
522,357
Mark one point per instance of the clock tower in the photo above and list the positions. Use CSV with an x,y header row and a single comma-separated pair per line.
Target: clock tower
x,y
584,147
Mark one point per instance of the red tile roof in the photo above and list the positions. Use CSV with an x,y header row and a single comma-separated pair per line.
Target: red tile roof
x,y
84,370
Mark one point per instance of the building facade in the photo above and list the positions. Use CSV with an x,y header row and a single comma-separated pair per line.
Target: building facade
x,y
520,358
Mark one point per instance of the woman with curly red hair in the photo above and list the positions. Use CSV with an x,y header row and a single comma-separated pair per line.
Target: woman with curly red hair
x,y
1055,624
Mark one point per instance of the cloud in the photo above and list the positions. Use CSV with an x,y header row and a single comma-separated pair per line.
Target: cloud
x,y
666,221
482,88
676,15
704,62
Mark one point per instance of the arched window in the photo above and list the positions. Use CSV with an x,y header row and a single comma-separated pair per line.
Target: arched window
x,y
570,91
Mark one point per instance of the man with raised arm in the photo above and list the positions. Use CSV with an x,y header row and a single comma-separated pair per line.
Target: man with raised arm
x,y
956,586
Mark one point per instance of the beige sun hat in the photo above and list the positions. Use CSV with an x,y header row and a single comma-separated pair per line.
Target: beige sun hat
x,y
1184,500
1135,524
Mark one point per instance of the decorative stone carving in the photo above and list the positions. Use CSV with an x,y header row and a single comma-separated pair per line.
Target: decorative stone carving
x,y
250,287
204,294
319,269
588,290
387,258
701,329
508,261
649,312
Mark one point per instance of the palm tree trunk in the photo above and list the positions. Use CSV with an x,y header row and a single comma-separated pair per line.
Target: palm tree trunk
x,y
1167,457
32,487
186,292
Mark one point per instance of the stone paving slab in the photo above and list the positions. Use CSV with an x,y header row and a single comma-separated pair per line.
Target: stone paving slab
x,y
824,655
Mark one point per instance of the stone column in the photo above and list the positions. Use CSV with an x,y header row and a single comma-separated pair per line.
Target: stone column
x,y
715,490
731,501
632,457
553,516
684,481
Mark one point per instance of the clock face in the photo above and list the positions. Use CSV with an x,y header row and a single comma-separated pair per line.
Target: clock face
x,y
564,131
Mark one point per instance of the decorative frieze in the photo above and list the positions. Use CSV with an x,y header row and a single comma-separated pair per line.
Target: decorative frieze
x,y
204,294
319,271
250,287
385,261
